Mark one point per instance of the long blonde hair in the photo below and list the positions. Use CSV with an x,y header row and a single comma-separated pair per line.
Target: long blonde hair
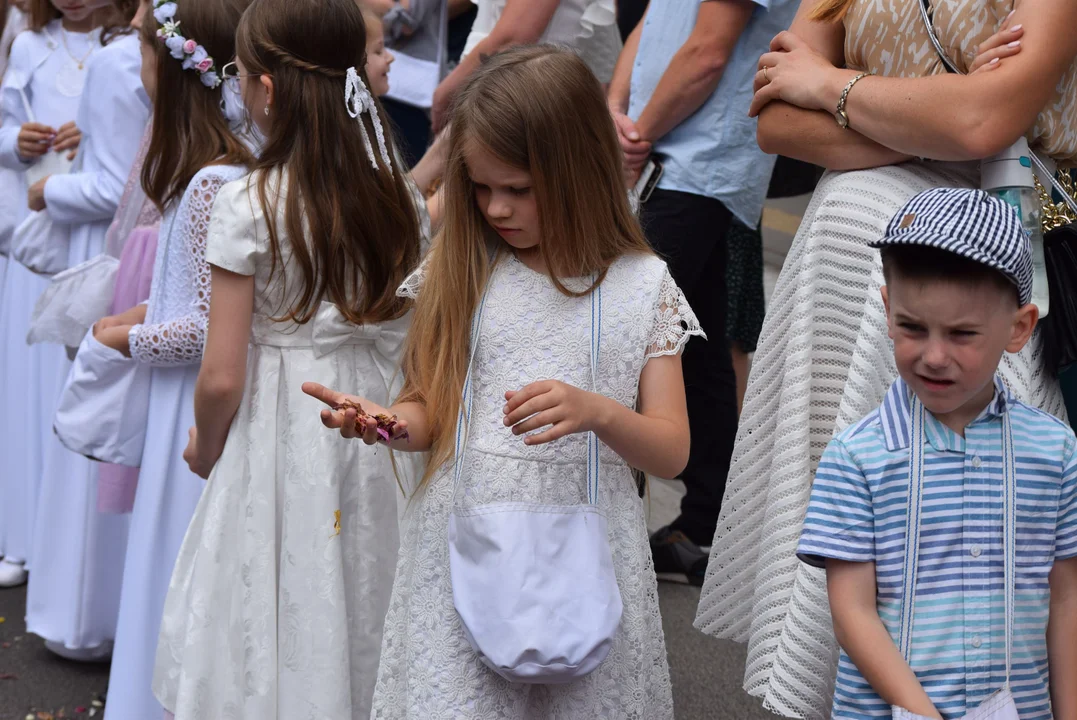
x,y
832,10
537,109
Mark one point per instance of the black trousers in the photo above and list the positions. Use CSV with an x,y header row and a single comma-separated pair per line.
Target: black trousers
x,y
688,231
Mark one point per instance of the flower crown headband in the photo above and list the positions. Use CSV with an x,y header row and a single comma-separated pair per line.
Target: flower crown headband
x,y
193,55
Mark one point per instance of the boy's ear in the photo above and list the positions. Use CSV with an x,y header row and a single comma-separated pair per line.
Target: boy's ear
x,y
885,292
1024,322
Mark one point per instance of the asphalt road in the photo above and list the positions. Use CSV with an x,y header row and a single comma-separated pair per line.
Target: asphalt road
x,y
706,673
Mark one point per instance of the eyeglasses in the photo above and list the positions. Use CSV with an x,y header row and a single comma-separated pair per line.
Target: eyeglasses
x,y
231,72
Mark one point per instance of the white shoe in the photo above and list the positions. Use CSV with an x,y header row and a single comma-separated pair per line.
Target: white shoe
x,y
99,653
12,574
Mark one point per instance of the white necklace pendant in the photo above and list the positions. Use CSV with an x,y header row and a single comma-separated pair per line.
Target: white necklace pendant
x,y
71,78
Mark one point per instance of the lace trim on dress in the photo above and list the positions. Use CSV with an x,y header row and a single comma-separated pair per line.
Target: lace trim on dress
x,y
180,341
413,282
674,321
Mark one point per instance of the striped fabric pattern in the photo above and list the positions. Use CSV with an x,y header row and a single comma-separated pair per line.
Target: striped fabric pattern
x,y
857,513
970,223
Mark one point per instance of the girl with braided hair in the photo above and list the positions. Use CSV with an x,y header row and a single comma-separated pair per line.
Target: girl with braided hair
x,y
279,593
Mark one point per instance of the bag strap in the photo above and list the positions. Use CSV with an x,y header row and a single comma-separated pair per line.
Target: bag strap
x,y
913,531
1041,166
463,420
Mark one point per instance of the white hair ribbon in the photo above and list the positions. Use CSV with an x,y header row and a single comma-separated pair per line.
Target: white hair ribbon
x,y
358,99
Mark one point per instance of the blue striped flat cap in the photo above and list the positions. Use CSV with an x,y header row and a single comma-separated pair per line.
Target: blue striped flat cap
x,y
970,223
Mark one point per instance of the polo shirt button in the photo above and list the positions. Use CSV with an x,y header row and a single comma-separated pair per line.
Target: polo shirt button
x,y
976,641
976,462
975,551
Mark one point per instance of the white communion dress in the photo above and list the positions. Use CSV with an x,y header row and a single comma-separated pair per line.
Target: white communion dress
x,y
279,594
530,332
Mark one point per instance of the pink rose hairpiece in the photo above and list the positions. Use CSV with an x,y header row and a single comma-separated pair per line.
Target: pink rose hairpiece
x,y
193,55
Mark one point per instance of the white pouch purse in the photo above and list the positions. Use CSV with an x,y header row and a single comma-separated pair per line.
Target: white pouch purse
x,y
534,584
75,299
1000,705
104,405
41,245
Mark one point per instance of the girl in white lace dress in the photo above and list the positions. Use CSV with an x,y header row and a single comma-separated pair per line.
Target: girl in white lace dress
x,y
533,234
194,150
279,593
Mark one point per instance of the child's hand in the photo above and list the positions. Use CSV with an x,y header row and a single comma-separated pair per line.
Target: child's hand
x,y
116,337
551,402
134,316
35,198
34,140
199,466
344,415
1003,44
68,137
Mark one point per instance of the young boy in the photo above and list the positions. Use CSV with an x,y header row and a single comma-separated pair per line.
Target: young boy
x,y
958,270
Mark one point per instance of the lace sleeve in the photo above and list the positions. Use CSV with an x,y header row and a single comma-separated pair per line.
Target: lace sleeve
x,y
413,282
180,341
674,321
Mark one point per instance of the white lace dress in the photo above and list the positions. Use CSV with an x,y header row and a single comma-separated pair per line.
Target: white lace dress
x,y
277,600
533,332
823,362
587,26
171,340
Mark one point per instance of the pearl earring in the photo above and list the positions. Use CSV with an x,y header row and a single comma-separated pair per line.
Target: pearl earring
x,y
267,111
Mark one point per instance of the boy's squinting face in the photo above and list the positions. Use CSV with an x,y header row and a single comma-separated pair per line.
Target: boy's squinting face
x,y
949,338
505,197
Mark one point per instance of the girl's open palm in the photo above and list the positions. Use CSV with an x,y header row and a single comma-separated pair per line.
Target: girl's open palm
x,y
346,419
551,402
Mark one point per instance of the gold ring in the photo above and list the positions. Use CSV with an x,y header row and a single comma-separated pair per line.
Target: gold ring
x,y
765,77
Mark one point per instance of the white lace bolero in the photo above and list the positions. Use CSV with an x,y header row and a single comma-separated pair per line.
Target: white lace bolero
x,y
671,319
178,314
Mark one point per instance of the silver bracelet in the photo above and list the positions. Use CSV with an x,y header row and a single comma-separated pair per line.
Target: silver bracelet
x,y
840,115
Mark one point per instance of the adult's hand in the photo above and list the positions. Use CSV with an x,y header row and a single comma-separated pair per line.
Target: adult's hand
x,y
1003,44
636,150
794,72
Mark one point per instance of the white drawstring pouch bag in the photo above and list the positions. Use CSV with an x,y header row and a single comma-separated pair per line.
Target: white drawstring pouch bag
x,y
75,299
534,585
1000,704
41,245
104,405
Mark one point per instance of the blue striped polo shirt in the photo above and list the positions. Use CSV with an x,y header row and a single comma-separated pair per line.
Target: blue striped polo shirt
x,y
857,513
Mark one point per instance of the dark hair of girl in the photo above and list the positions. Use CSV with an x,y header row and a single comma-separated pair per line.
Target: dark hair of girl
x,y
189,129
353,229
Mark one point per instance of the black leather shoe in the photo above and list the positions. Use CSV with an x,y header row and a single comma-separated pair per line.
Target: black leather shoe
x,y
676,558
